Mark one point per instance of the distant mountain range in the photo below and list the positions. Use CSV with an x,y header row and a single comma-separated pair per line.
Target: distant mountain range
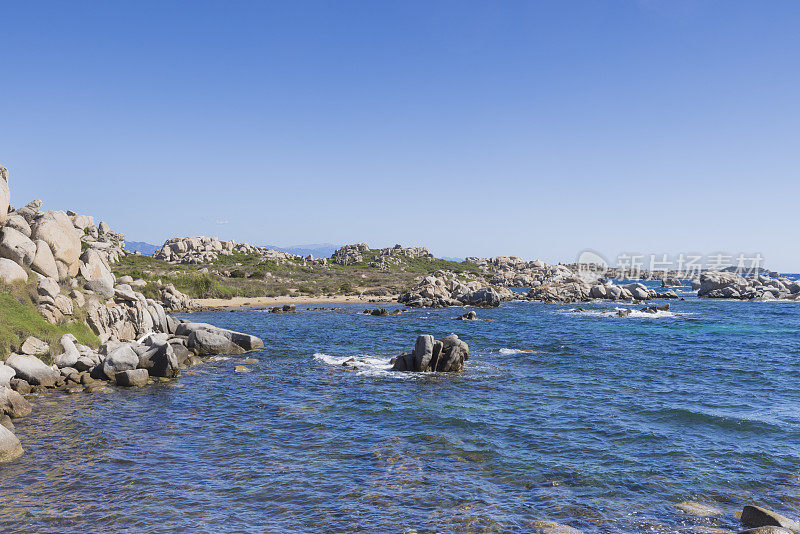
x,y
318,250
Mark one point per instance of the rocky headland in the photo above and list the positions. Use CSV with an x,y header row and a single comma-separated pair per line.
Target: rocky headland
x,y
56,270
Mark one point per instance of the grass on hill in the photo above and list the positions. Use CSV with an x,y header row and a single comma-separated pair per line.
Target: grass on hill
x,y
19,319
249,275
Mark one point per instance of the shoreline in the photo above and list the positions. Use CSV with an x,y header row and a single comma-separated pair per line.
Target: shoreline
x,y
251,302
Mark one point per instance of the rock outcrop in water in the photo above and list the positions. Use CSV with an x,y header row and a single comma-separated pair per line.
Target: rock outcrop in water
x,y
444,355
448,289
728,285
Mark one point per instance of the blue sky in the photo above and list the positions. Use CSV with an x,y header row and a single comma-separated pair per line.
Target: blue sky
x,y
475,128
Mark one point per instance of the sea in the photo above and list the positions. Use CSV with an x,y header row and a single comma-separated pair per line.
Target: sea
x,y
583,419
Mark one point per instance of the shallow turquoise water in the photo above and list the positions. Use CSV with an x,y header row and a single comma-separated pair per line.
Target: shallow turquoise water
x,y
603,423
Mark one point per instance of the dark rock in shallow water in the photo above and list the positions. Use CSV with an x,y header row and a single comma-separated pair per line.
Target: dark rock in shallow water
x,y
12,403
380,312
655,309
444,355
160,360
469,316
20,386
624,313
132,378
756,516
766,530
10,448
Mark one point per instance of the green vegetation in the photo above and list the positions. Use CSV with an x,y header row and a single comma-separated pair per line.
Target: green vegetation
x,y
250,275
20,319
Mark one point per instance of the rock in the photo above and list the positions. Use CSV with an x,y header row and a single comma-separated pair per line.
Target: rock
x,y
181,352
132,378
6,374
599,291
11,272
64,304
48,287
669,281
93,267
242,369
5,195
70,356
6,422
423,352
30,210
551,527
125,279
698,509
244,341
56,229
445,355
43,262
469,316
101,287
757,516
207,342
624,312
380,312
713,280
123,358
13,404
16,246
33,370
18,223
10,448
20,386
160,360
486,297
766,530
34,347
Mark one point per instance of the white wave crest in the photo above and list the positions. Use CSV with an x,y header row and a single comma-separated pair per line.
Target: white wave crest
x,y
364,365
510,352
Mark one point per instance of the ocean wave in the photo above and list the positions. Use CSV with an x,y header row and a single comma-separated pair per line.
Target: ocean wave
x,y
660,314
365,365
511,352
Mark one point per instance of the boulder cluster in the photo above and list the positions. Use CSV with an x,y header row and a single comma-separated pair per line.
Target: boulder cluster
x,y
382,259
448,289
350,254
728,285
576,289
80,368
202,249
69,259
443,355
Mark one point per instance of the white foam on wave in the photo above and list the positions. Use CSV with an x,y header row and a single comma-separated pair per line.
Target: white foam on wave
x,y
660,314
367,365
509,352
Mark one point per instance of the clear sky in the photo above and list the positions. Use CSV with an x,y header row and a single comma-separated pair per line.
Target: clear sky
x,y
531,128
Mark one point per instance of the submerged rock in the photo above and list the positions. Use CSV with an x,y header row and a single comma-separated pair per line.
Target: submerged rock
x,y
757,516
469,316
132,378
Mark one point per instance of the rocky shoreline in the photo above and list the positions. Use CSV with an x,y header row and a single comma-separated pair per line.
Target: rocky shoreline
x,y
61,262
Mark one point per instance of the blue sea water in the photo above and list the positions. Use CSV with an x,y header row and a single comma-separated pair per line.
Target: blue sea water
x,y
587,419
